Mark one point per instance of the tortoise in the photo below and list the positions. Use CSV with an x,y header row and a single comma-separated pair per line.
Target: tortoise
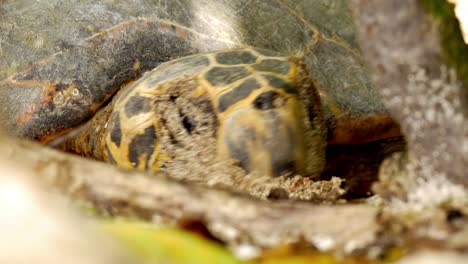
x,y
273,95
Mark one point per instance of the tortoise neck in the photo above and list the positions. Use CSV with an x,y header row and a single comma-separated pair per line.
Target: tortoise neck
x,y
89,139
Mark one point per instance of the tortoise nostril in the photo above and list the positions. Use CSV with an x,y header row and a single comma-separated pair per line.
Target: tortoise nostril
x,y
173,98
269,100
188,124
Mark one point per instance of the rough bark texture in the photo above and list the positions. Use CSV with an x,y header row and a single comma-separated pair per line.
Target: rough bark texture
x,y
401,45
402,48
234,218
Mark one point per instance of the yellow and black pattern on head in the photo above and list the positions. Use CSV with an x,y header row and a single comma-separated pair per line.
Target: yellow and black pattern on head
x,y
133,131
256,98
132,140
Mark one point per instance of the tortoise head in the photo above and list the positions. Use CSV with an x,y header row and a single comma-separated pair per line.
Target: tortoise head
x,y
271,122
267,117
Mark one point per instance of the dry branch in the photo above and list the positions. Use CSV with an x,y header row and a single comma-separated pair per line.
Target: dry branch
x,y
232,217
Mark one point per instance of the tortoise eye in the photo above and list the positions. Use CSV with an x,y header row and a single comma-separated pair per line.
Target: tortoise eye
x,y
269,100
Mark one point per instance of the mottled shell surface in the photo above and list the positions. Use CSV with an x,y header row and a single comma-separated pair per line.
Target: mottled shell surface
x,y
92,48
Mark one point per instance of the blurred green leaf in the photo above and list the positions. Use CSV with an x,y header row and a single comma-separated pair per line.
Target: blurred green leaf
x,y
153,245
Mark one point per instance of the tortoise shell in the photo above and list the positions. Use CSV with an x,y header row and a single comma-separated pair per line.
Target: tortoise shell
x,y
64,90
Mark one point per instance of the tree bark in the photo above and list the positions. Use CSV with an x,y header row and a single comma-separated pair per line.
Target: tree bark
x,y
235,218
